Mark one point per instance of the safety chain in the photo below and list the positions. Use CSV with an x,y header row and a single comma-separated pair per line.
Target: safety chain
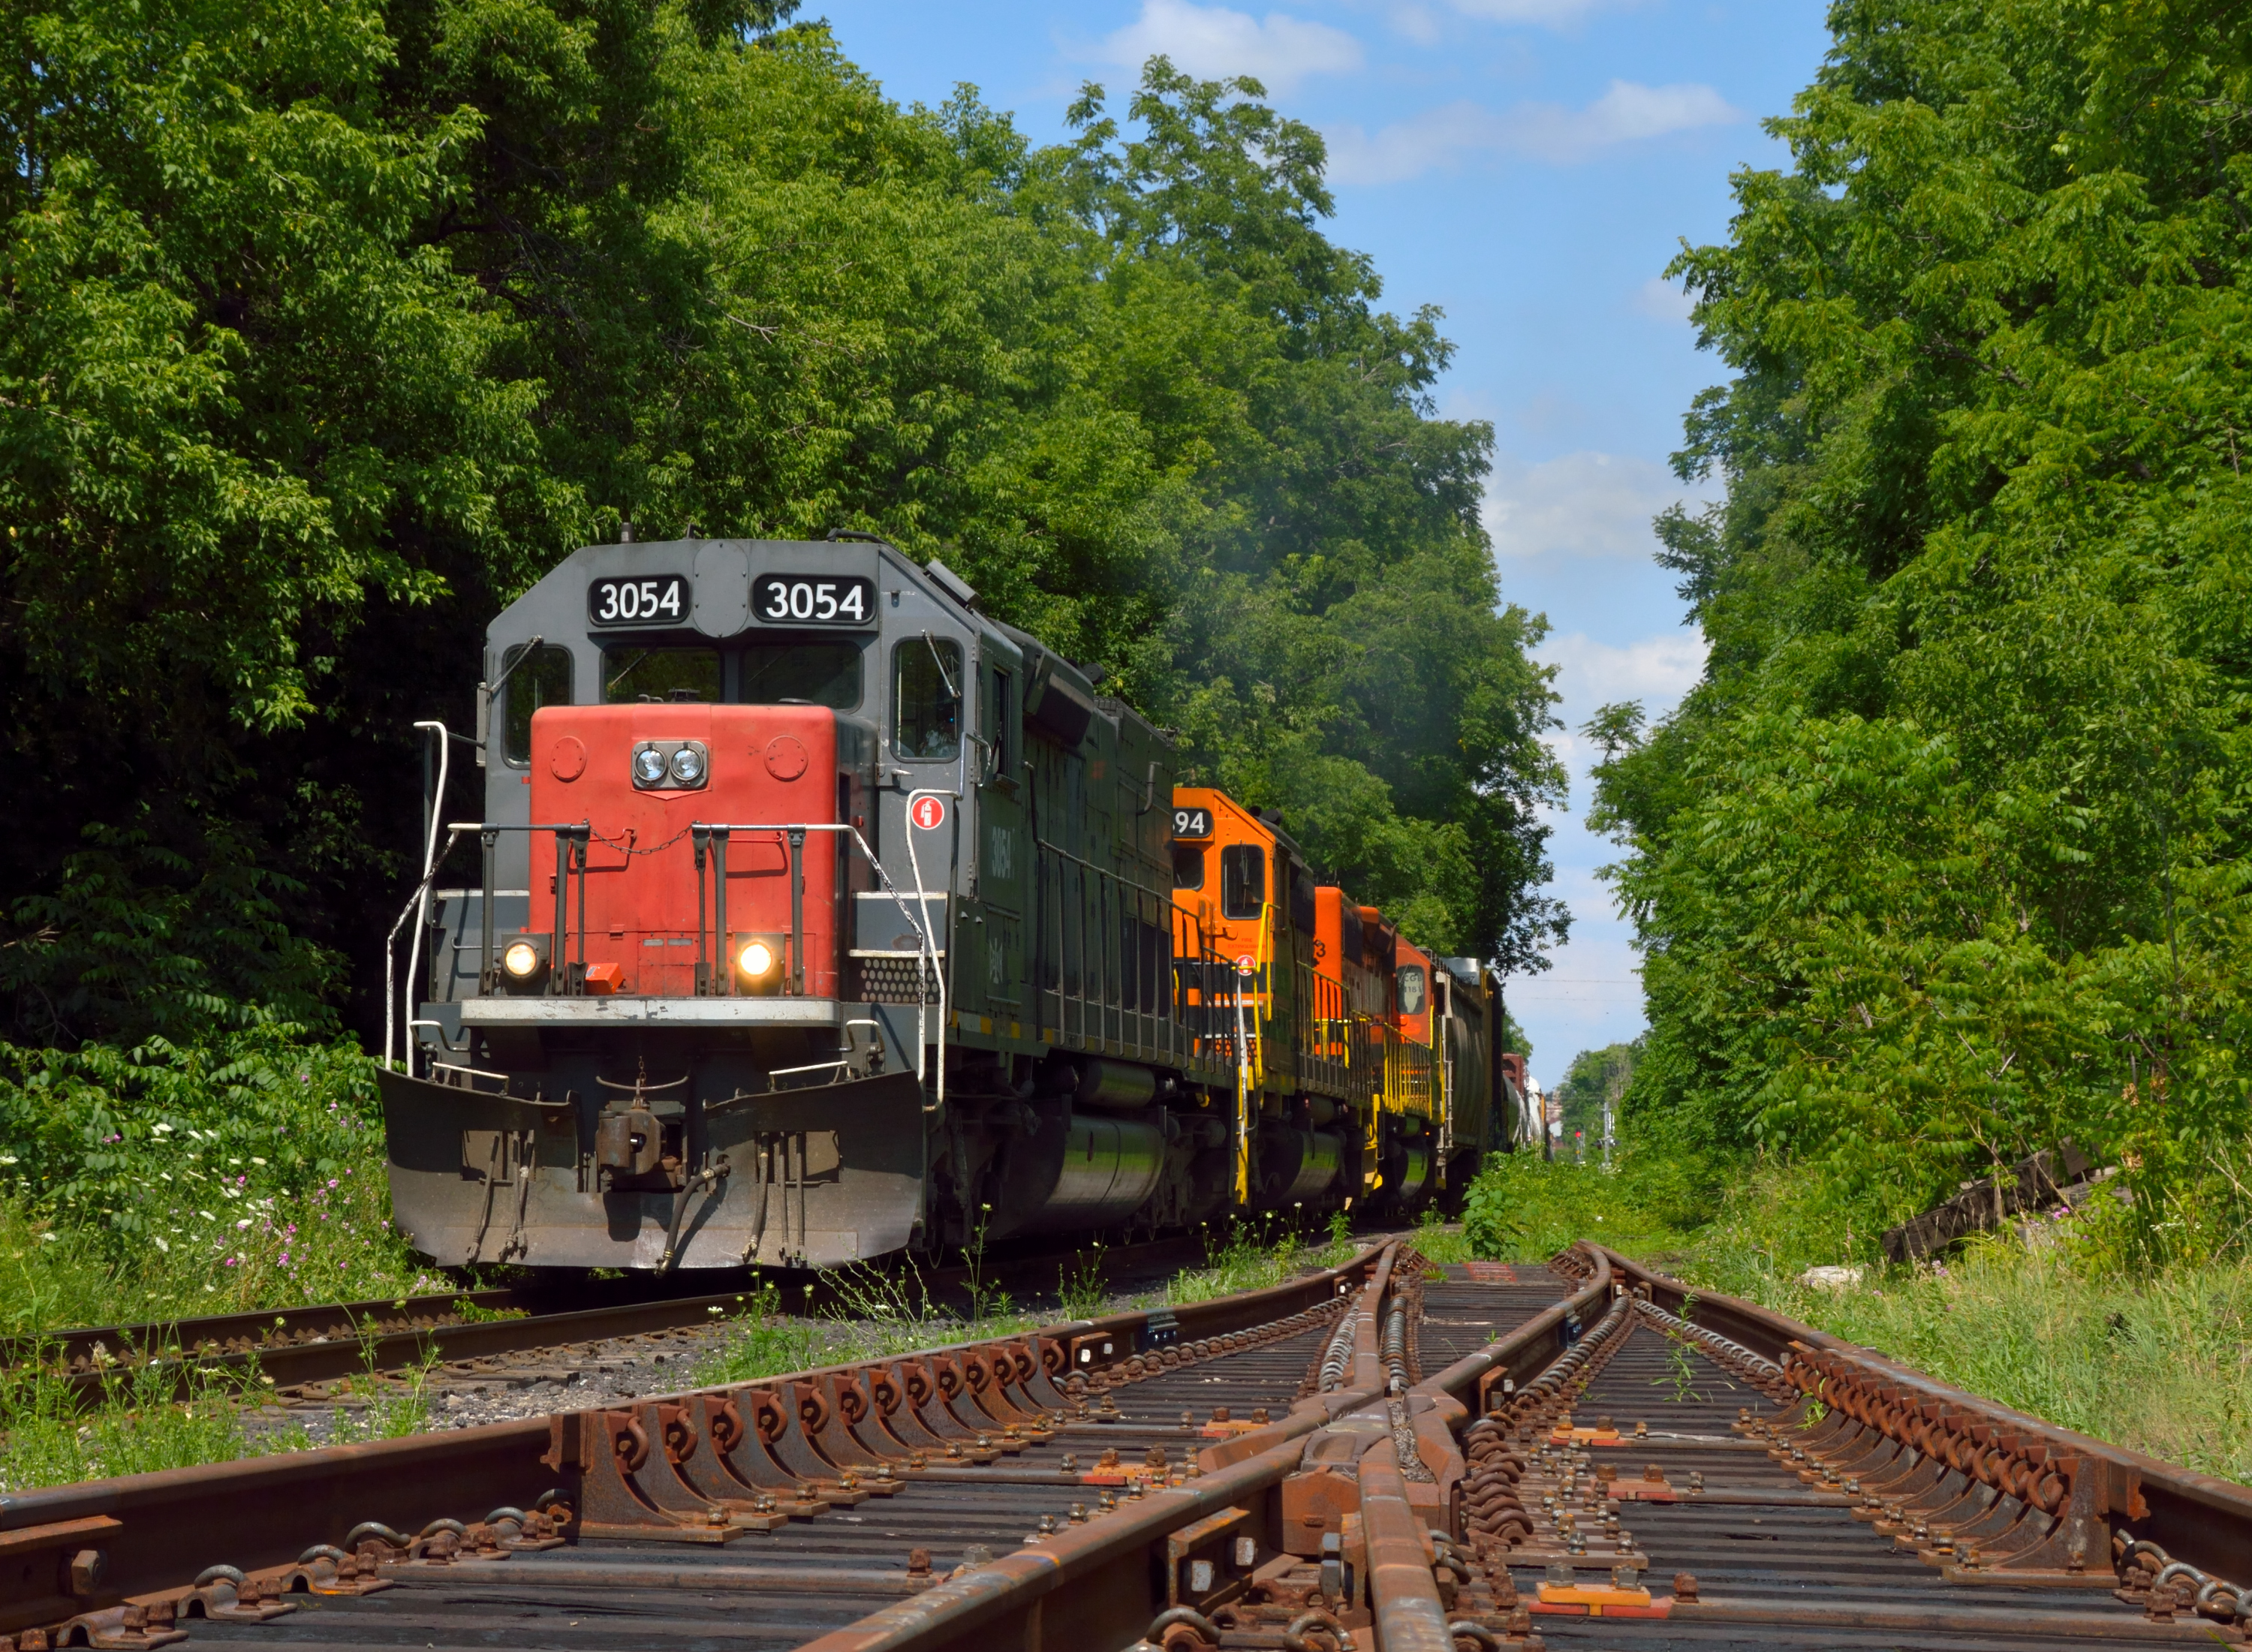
x,y
627,847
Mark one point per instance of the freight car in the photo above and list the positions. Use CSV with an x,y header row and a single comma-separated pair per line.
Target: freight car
x,y
823,916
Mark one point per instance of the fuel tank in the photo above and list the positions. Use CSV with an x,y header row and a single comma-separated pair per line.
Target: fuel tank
x,y
1296,1165
1083,1171
1408,1171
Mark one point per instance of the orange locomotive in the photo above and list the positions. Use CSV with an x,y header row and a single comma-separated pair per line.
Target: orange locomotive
x,y
1359,1079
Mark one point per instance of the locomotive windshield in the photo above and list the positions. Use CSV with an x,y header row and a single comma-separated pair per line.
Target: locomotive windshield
x,y
1242,880
544,679
1188,865
818,673
926,678
1411,989
661,674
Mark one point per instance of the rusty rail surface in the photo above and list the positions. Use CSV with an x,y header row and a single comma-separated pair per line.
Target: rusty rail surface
x,y
2114,1508
323,1343
76,1555
1800,1493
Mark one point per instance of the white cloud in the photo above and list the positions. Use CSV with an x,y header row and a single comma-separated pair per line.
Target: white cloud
x,y
1658,671
1584,505
1552,13
1416,23
1213,42
1407,149
1625,112
1662,300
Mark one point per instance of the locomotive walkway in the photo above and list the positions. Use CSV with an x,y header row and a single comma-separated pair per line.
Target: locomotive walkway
x,y
1388,1457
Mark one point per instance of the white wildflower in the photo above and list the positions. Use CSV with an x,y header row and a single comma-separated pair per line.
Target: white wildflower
x,y
243,1224
161,1245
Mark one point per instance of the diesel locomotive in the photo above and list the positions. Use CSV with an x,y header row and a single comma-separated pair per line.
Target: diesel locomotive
x,y
822,916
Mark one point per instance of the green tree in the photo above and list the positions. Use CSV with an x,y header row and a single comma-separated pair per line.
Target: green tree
x,y
1945,856
1597,1079
330,330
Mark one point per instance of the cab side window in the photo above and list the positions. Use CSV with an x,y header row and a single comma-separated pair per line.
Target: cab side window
x,y
927,684
1000,747
1242,880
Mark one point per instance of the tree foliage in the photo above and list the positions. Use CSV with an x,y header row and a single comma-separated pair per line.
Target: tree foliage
x,y
329,328
1595,1080
1945,856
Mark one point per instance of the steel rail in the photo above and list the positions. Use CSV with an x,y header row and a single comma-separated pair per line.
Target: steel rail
x,y
2197,1517
101,1546
1106,1568
325,1343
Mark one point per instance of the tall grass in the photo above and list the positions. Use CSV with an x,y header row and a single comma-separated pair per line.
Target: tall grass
x,y
47,1437
2073,1322
1524,1208
2160,1364
328,1244
1441,1242
1254,1254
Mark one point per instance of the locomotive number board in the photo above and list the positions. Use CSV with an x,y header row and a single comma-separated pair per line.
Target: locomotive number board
x,y
813,598
662,598
1192,822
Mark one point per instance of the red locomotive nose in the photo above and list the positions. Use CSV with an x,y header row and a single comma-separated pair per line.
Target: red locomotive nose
x,y
644,779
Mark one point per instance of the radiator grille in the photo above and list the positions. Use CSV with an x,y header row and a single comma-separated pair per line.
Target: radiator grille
x,y
894,980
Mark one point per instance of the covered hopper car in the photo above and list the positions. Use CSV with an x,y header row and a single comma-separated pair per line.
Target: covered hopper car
x,y
822,916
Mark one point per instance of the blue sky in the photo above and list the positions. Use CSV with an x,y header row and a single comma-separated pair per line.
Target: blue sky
x,y
1530,166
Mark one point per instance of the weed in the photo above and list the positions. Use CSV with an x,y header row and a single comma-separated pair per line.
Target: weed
x,y
49,1436
765,1342
1079,1293
470,1313
1238,1258
1440,1241
1680,1369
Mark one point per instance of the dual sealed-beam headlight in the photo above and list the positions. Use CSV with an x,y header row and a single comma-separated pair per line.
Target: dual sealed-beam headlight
x,y
683,766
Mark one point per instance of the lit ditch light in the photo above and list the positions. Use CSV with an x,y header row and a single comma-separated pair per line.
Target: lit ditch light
x,y
524,963
757,962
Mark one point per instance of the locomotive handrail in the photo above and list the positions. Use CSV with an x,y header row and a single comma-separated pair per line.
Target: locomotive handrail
x,y
1164,896
1155,1001
927,947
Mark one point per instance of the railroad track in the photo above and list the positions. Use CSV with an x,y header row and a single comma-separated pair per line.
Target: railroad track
x,y
488,1335
1387,1458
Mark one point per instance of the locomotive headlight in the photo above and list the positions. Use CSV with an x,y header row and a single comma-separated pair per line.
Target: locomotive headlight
x,y
649,766
755,960
521,960
688,765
